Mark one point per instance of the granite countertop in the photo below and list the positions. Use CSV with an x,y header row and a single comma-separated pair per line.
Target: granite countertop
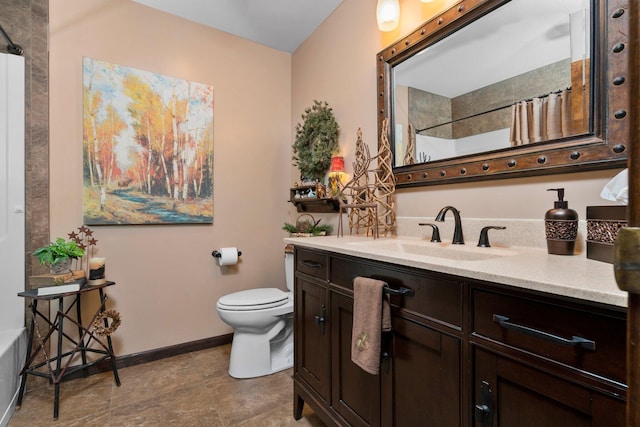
x,y
523,267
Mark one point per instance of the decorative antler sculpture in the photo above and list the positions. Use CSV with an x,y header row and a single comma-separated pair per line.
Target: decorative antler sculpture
x,y
385,184
364,199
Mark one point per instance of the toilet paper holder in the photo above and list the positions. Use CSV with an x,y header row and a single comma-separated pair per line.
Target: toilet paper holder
x,y
217,254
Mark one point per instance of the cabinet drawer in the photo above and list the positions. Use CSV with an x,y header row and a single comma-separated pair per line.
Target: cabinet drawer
x,y
311,262
571,334
435,298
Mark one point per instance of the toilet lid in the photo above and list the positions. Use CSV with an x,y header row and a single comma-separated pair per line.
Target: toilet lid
x,y
254,299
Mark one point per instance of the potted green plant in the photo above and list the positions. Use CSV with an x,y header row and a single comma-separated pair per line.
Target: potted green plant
x,y
316,141
58,255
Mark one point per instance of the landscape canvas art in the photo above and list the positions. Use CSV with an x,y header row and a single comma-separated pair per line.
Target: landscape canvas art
x,y
148,147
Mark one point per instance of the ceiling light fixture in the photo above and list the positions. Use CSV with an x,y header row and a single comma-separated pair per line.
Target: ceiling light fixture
x,y
388,14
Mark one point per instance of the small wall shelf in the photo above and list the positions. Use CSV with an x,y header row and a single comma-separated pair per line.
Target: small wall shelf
x,y
312,204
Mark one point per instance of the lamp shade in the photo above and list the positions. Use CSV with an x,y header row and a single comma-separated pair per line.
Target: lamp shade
x,y
337,164
388,14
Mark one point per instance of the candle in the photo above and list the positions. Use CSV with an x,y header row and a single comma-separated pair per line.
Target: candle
x,y
97,271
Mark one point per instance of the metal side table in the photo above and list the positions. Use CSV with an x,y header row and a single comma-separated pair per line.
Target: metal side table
x,y
59,365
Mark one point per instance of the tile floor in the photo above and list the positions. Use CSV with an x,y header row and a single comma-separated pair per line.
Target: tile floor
x,y
192,389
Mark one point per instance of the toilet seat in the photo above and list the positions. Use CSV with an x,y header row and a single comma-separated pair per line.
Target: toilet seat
x,y
254,299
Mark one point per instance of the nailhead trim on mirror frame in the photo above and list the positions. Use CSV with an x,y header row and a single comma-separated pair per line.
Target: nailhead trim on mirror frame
x,y
605,148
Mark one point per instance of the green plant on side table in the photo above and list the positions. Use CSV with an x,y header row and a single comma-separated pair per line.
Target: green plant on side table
x,y
58,255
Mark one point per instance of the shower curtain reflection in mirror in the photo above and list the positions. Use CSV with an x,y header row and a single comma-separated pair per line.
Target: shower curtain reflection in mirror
x,y
542,118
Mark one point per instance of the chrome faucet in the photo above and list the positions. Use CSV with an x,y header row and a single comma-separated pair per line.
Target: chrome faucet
x,y
458,239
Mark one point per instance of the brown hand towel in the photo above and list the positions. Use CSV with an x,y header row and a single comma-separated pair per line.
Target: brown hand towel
x,y
371,316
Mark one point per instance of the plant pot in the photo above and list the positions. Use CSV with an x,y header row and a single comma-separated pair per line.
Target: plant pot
x,y
60,267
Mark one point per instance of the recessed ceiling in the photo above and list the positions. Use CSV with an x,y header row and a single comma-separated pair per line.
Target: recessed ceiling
x,y
280,24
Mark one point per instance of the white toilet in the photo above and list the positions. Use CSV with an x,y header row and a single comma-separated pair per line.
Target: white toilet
x,y
262,320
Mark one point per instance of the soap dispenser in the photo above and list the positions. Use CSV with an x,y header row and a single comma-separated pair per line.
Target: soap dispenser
x,y
561,226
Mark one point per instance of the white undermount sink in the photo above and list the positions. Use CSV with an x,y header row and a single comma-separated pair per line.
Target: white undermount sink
x,y
442,250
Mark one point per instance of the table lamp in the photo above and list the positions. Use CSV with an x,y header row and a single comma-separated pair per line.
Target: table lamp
x,y
335,175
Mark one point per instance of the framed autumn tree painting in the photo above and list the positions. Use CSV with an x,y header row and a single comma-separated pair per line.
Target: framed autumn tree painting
x,y
148,147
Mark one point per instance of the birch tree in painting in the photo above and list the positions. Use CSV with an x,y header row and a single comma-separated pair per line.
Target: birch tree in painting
x,y
148,147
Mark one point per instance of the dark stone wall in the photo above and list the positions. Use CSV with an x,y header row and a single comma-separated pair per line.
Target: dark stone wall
x,y
27,23
427,109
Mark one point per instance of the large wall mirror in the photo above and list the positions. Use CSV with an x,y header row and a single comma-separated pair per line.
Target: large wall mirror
x,y
495,89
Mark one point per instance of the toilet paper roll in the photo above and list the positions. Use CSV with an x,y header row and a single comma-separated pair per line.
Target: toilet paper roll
x,y
228,256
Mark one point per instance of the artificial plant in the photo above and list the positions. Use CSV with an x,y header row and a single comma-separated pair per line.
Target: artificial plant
x,y
316,141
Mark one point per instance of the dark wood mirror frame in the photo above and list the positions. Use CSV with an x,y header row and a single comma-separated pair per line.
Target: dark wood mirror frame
x,y
606,146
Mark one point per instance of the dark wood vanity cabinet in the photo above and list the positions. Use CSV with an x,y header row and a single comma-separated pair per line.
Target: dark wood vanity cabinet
x,y
537,359
509,392
355,394
312,358
422,386
311,330
461,352
419,380
324,376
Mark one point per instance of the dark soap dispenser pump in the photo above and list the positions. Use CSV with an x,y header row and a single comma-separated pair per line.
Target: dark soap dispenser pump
x,y
561,226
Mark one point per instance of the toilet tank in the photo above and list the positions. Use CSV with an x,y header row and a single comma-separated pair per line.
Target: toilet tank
x,y
288,268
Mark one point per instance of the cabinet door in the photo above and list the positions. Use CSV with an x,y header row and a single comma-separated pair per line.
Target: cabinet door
x,y
423,385
508,393
312,347
355,393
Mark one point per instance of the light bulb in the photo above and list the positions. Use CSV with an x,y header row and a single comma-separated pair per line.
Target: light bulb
x,y
388,14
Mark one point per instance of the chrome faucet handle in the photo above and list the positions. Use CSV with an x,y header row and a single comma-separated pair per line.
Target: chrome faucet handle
x,y
435,234
483,242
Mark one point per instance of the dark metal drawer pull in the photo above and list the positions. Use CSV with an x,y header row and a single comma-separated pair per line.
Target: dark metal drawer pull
x,y
574,341
404,292
310,264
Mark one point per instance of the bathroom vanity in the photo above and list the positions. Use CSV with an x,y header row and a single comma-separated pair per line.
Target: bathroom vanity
x,y
478,338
